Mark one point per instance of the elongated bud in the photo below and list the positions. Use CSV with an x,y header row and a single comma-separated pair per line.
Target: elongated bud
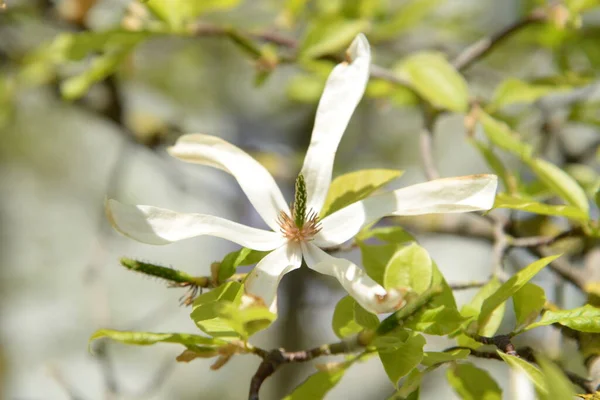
x,y
300,202
168,274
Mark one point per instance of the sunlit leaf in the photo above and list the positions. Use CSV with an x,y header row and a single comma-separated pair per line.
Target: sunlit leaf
x,y
206,310
436,80
148,338
559,386
409,267
329,36
472,383
534,374
388,234
472,309
560,183
528,302
504,200
178,12
515,91
399,361
375,258
431,358
584,319
318,384
238,258
354,186
511,286
500,134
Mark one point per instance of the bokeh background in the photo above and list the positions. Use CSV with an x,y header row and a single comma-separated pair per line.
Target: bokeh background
x,y
59,274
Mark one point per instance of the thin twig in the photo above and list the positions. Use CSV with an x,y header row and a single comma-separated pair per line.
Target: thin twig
x,y
483,46
467,285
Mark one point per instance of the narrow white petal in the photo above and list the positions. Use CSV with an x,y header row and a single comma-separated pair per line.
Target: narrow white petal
x,y
264,279
254,179
343,90
155,225
368,293
448,195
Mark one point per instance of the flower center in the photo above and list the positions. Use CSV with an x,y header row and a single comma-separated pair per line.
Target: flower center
x,y
295,233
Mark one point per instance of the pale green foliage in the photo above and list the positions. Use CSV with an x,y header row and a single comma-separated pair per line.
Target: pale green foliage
x,y
584,319
534,374
473,383
399,359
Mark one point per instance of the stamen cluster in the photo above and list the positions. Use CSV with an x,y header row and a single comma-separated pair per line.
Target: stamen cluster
x,y
294,233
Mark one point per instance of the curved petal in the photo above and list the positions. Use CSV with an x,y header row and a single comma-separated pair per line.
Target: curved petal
x,y
155,225
343,90
264,279
368,293
254,179
448,195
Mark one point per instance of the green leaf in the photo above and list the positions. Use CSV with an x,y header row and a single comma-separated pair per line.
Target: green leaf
x,y
502,136
317,385
238,258
399,361
305,88
344,322
365,318
431,358
206,312
494,162
504,200
436,80
528,302
440,316
375,259
515,91
583,319
472,310
409,15
354,186
534,374
560,183
557,383
410,387
388,234
178,12
245,321
409,267
511,286
472,383
101,67
328,36
148,338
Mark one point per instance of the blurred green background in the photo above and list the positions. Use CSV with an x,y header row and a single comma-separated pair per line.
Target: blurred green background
x,y
86,119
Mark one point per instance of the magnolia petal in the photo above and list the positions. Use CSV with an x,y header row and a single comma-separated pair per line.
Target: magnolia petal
x,y
155,225
343,90
254,179
368,293
264,279
448,195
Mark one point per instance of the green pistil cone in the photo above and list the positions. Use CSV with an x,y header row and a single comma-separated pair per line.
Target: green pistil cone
x,y
300,201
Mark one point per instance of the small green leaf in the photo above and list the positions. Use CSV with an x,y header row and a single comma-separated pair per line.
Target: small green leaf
x,y
472,383
375,259
436,80
511,286
317,385
344,323
206,312
527,303
560,183
238,258
440,316
409,267
473,309
534,374
502,136
410,14
583,319
515,91
354,186
494,162
365,318
178,12
504,200
399,361
431,358
410,387
245,321
329,36
148,338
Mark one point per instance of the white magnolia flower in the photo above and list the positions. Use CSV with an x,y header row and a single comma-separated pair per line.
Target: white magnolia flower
x,y
297,232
